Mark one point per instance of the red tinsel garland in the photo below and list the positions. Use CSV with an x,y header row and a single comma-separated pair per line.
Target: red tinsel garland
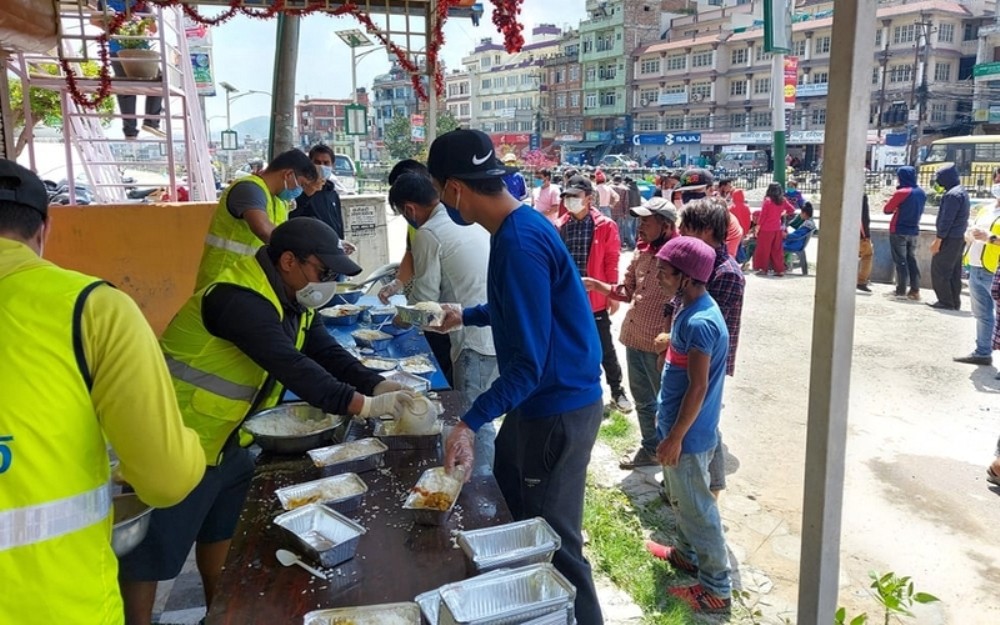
x,y
504,17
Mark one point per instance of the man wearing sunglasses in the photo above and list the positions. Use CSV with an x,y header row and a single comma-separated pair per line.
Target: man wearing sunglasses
x,y
232,350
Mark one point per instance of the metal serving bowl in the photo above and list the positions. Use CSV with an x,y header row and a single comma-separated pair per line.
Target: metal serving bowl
x,y
131,523
296,443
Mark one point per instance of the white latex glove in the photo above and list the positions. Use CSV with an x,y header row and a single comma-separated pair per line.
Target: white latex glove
x,y
389,290
452,319
387,386
390,403
459,451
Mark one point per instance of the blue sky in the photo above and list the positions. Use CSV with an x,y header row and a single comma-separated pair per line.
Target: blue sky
x,y
244,54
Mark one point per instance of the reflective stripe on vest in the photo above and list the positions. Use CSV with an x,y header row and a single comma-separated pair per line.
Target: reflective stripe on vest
x,y
232,246
209,381
33,524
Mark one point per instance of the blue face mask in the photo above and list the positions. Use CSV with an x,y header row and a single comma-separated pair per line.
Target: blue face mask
x,y
453,210
289,195
327,171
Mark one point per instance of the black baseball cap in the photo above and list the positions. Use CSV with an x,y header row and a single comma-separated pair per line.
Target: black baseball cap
x,y
577,185
306,236
695,180
465,155
22,186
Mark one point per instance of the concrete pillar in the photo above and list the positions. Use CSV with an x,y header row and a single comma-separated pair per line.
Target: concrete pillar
x,y
286,54
833,316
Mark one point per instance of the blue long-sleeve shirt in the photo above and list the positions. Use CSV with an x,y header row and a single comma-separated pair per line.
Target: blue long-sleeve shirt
x,y
548,351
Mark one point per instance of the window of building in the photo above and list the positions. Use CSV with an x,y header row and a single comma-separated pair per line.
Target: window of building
x,y
904,34
946,33
574,73
761,119
900,73
703,59
737,121
591,73
677,87
496,59
760,55
939,112
799,47
673,123
701,91
486,84
970,32
591,101
738,56
647,124
465,110
608,98
485,63
737,87
607,72
486,105
942,72
557,76
561,101
761,85
588,45
649,95
525,103
821,45
649,66
820,78
795,118
527,80
574,100
676,62
564,125
875,72
511,81
818,117
700,122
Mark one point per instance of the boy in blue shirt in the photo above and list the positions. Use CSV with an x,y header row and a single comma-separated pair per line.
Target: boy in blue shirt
x,y
690,403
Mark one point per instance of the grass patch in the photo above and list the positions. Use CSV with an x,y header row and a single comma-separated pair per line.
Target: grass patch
x,y
614,528
619,433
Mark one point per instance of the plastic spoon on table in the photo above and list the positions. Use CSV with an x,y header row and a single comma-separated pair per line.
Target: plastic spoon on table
x,y
287,558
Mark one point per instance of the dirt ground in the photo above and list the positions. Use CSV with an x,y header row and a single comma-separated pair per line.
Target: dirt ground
x,y
922,429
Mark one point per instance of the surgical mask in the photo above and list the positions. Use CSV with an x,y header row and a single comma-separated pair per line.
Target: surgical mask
x,y
453,210
995,191
289,195
574,205
326,170
316,294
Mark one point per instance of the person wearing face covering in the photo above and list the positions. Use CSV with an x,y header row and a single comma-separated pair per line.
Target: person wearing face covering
x,y
983,256
232,350
322,200
250,209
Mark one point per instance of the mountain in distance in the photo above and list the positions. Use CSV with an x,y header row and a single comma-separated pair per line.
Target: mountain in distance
x,y
256,127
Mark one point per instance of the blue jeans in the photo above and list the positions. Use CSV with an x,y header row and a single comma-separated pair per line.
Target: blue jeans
x,y
644,382
699,526
474,373
626,231
606,211
980,281
903,247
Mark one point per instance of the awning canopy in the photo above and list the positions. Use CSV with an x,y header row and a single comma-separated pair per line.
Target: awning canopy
x,y
582,145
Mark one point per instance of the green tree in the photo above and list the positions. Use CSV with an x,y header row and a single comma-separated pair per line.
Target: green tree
x,y
401,146
46,108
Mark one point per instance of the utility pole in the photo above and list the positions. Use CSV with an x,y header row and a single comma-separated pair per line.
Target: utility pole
x,y
286,55
926,31
884,60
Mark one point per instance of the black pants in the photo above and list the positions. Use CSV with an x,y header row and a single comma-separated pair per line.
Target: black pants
x,y
441,346
946,272
541,467
612,370
126,103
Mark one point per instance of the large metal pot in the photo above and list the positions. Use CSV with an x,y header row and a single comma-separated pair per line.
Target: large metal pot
x,y
131,523
299,443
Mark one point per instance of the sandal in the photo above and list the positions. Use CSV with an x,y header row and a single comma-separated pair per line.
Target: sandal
x,y
700,600
671,555
992,477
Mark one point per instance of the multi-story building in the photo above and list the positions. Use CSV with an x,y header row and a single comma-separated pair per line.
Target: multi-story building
x,y
458,96
392,95
563,99
507,89
323,120
613,29
709,83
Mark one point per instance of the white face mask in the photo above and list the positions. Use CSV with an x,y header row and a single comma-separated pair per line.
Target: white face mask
x,y
574,205
316,294
996,191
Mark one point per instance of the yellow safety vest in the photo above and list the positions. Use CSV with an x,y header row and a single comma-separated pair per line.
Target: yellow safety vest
x,y
230,239
217,385
991,252
56,562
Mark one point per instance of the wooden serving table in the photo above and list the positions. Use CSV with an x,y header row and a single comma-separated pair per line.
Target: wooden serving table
x,y
395,561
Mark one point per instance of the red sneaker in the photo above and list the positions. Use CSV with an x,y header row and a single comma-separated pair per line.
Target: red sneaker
x,y
700,600
671,555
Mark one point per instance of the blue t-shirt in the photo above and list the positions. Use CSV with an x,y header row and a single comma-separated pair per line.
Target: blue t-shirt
x,y
698,326
548,351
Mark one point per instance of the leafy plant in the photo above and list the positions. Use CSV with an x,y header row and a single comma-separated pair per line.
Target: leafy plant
x,y
840,618
136,27
401,146
896,594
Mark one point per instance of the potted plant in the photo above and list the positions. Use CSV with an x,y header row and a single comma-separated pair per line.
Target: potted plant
x,y
137,57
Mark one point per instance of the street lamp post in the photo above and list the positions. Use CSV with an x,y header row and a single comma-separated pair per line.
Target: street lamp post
x,y
355,39
230,90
